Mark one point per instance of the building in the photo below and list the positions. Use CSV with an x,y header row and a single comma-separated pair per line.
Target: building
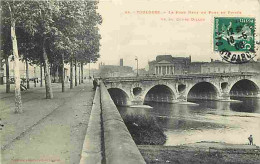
x,y
252,66
121,62
219,67
33,70
195,67
168,65
141,72
115,70
216,66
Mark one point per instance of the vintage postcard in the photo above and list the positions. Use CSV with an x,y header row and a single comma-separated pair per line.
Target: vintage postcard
x,y
130,81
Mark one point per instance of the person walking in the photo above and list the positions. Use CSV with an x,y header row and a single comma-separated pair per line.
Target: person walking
x,y
1,125
250,138
94,84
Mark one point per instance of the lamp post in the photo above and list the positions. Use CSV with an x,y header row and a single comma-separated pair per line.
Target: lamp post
x,y
137,65
89,71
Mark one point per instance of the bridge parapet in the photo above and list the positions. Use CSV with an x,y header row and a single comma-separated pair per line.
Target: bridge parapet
x,y
107,139
180,77
91,150
119,145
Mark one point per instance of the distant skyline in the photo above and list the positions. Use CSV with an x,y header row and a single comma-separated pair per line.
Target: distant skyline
x,y
126,35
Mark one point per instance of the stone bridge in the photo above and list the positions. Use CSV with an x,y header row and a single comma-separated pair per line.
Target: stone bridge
x,y
182,88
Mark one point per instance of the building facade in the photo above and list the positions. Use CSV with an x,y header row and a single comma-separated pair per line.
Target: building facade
x,y
219,67
169,65
115,71
223,67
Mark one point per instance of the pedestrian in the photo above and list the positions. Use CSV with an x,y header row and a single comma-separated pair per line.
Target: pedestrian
x,y
98,82
94,83
34,80
1,125
250,138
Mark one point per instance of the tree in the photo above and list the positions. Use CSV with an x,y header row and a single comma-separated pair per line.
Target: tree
x,y
58,32
10,12
6,42
7,75
40,24
76,26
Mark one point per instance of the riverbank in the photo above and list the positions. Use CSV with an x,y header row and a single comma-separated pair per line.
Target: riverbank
x,y
145,130
203,152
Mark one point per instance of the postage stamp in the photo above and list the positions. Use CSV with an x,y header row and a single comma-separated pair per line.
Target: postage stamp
x,y
234,38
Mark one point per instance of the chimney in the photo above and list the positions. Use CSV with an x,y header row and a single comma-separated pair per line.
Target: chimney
x,y
121,62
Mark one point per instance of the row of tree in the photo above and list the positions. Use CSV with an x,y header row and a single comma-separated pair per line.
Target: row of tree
x,y
49,33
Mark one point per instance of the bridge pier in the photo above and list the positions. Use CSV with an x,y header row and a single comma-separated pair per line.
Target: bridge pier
x,y
135,102
224,96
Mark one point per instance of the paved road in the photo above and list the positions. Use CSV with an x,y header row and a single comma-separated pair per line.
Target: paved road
x,y
54,131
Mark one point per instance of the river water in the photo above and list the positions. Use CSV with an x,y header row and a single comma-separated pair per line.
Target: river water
x,y
230,122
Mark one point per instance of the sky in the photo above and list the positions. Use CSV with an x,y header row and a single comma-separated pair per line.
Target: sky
x,y
183,28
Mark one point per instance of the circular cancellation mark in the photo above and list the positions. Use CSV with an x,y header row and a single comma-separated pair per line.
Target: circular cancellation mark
x,y
234,38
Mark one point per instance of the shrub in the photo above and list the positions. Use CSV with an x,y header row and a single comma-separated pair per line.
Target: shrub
x,y
145,130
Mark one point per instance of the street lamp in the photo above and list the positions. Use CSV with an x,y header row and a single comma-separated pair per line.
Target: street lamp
x,y
89,71
137,65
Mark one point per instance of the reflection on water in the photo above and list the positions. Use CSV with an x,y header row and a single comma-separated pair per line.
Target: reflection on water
x,y
230,122
251,105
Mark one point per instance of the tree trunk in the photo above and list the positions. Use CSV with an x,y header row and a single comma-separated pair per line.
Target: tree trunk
x,y
62,73
71,73
57,74
76,82
49,93
7,75
27,74
34,72
1,68
81,73
41,73
52,75
18,99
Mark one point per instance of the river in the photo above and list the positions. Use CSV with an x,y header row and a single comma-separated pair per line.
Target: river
x,y
230,122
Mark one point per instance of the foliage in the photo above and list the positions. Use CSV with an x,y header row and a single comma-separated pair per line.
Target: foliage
x,y
145,130
69,27
51,32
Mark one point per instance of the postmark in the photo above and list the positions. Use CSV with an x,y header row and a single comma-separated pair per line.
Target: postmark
x,y
234,38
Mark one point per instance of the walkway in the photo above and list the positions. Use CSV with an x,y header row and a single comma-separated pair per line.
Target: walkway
x,y
49,131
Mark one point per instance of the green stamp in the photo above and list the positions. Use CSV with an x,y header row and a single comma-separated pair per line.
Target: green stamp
x,y
234,38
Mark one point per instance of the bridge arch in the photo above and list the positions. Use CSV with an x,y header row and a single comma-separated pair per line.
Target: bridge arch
x,y
119,96
203,90
160,93
244,88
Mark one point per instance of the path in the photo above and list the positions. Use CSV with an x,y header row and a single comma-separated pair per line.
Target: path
x,y
49,131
